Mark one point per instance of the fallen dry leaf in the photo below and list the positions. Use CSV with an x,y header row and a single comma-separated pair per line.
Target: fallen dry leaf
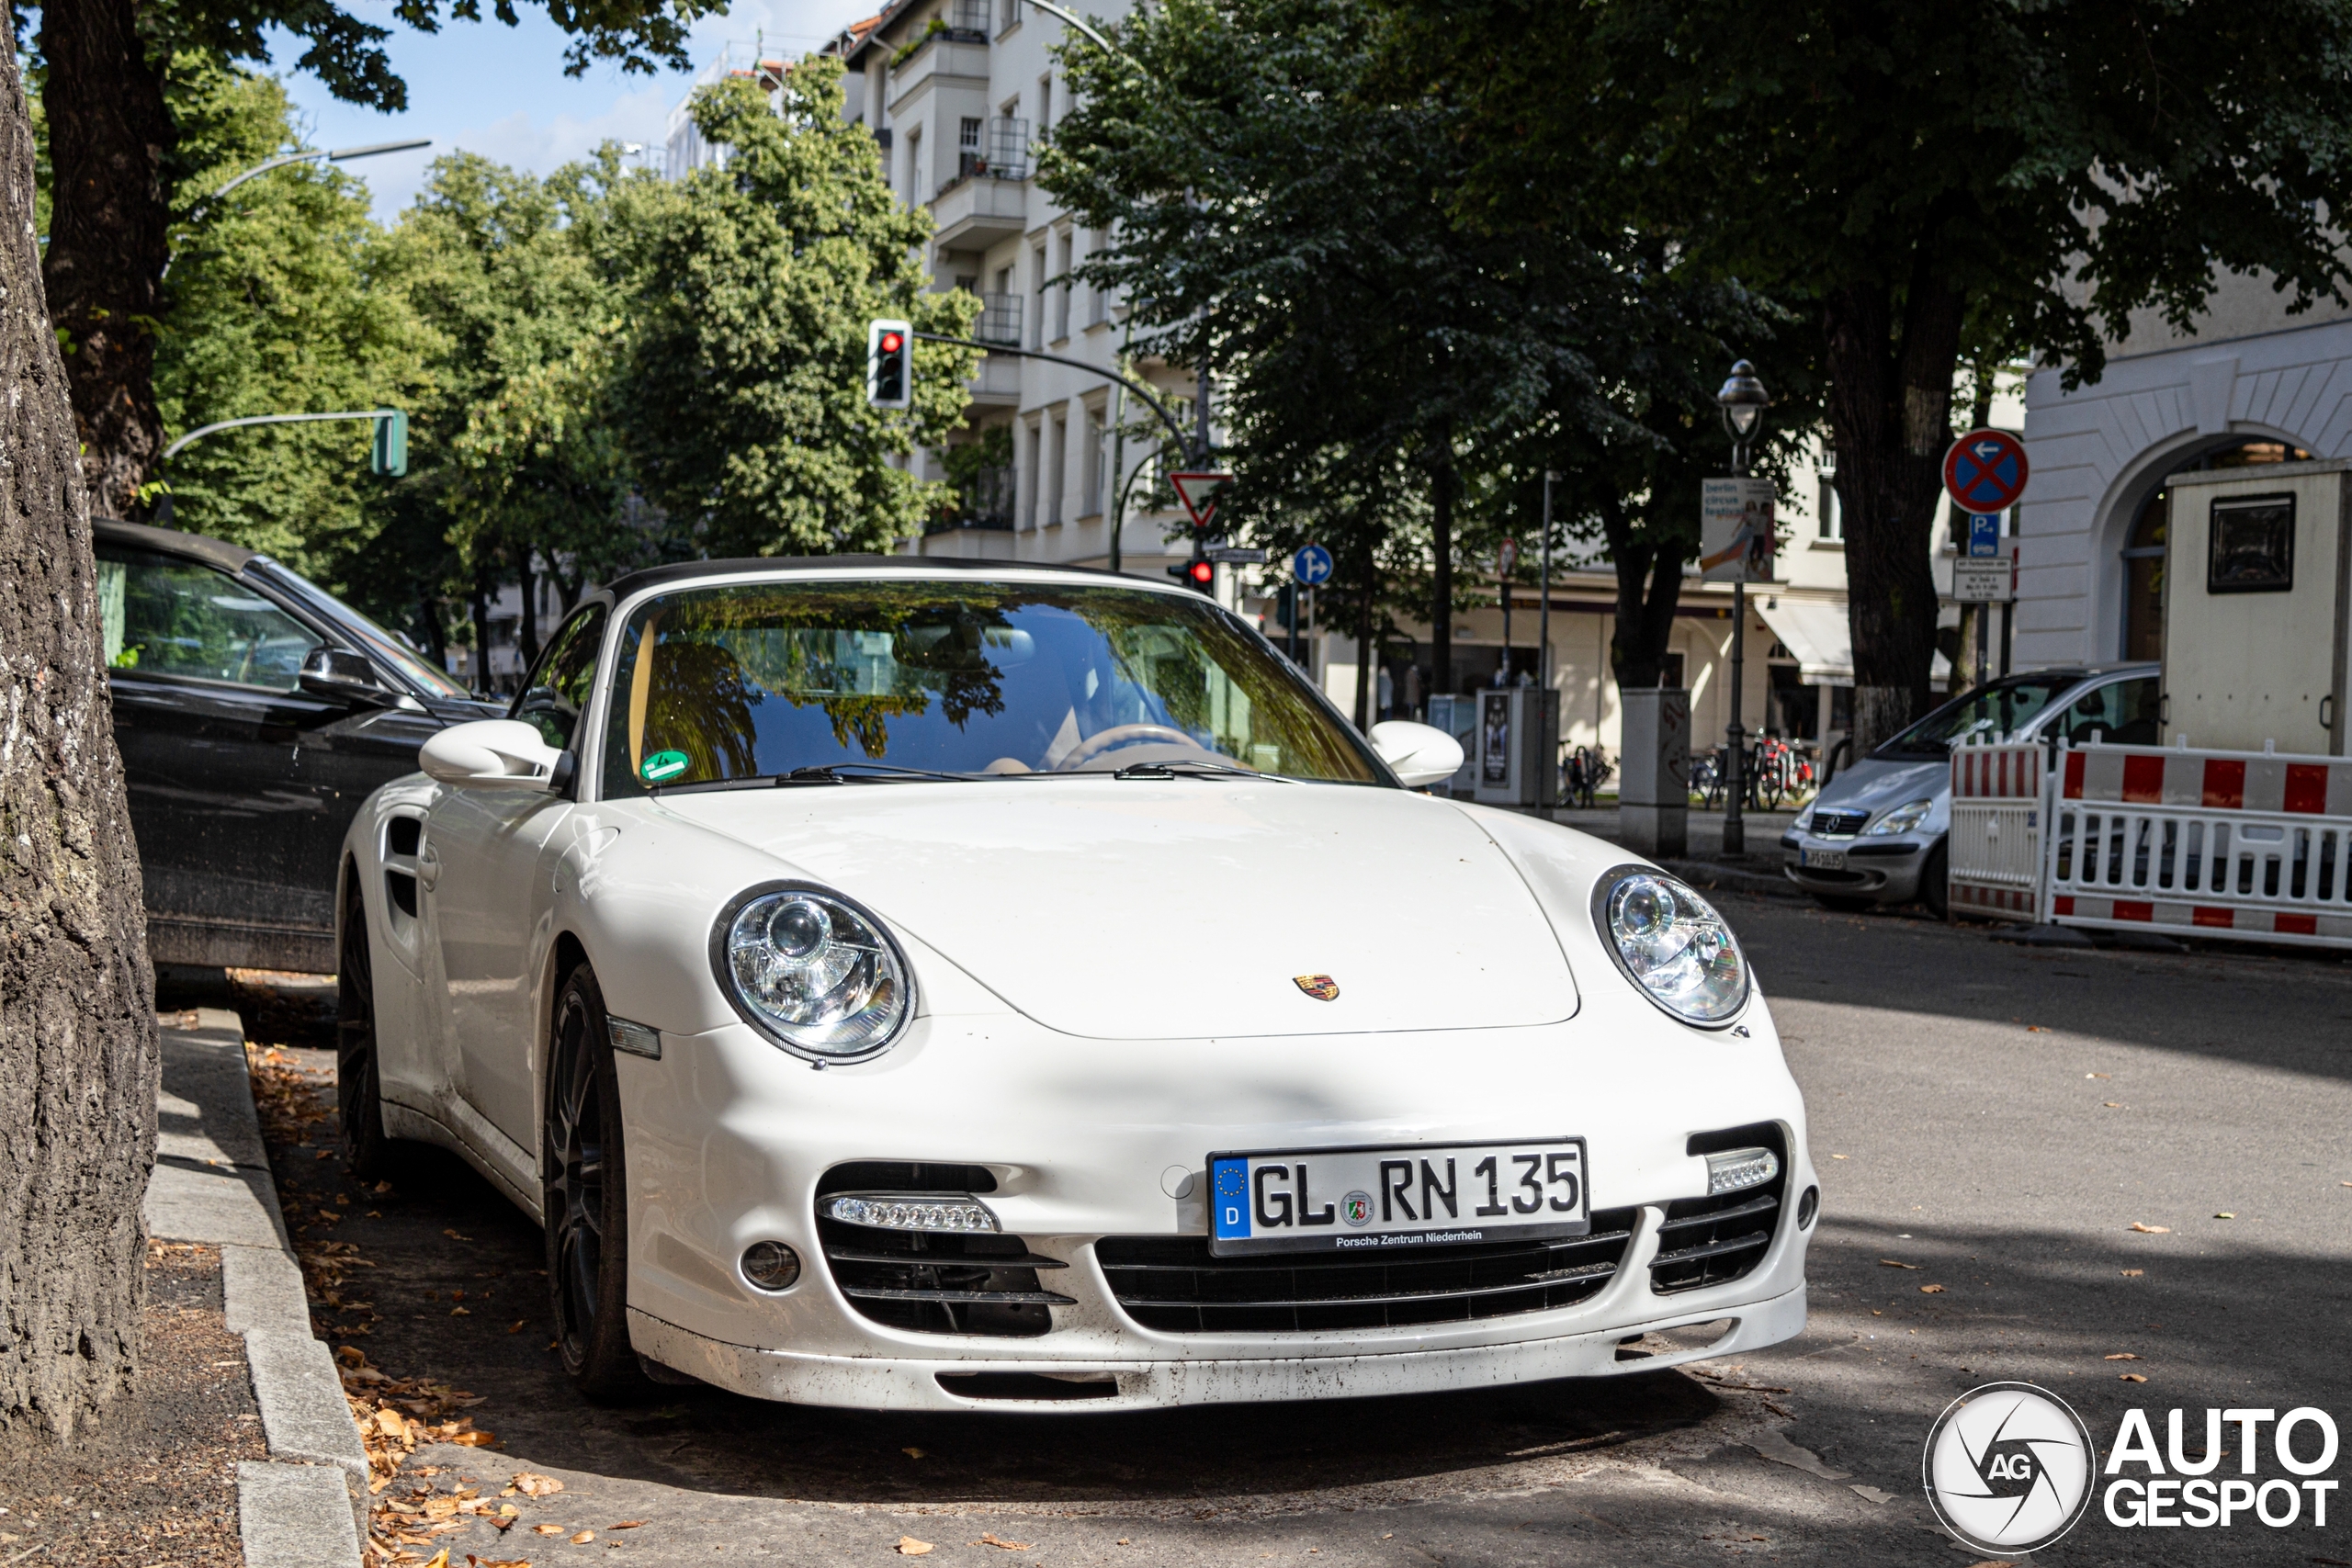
x,y
2225,1216
440,1559
626,1525
2112,1104
1932,1290
2099,1075
1850,1156
912,1453
517,1328
2123,1356
910,1547
2132,1376
460,1311
1891,1263
987,1539
585,1537
2150,1229
500,1562
473,1439
453,1236
2134,1273
547,1529
530,1483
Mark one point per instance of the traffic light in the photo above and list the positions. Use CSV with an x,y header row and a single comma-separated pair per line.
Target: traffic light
x,y
390,453
1199,572
889,364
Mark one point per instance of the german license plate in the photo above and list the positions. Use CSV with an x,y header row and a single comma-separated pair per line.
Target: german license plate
x,y
1821,859
1376,1199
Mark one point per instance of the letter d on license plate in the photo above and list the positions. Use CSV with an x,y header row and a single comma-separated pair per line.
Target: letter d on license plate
x,y
1377,1197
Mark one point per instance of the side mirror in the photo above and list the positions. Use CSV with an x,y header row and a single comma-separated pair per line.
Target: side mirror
x,y
1419,754
339,675
491,753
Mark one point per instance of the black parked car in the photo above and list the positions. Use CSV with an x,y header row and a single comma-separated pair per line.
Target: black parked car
x,y
255,712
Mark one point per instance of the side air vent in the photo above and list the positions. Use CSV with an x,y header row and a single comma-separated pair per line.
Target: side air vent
x,y
1706,1241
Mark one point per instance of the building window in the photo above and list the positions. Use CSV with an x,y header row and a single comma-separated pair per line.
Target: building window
x,y
1037,480
1091,459
1061,294
1011,16
969,161
1044,107
1098,302
1057,463
915,192
1831,515
1038,292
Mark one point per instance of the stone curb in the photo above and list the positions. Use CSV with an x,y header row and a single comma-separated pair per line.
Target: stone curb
x,y
1713,877
307,1506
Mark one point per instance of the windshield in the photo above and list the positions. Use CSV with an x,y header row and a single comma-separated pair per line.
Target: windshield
x,y
375,638
1991,712
754,680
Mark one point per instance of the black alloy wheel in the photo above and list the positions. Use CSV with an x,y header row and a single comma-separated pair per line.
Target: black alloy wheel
x,y
366,1150
585,1200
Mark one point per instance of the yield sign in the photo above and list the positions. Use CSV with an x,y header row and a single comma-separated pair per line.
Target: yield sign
x,y
1984,472
1199,493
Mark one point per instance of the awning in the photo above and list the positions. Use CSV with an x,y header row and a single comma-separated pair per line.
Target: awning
x,y
1818,634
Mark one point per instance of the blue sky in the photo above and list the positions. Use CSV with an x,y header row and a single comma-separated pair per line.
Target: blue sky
x,y
502,91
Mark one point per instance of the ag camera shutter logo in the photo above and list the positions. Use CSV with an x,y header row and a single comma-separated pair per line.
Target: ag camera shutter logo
x,y
2009,1468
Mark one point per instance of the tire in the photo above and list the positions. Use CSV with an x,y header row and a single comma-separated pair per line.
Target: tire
x,y
366,1150
1935,882
584,1200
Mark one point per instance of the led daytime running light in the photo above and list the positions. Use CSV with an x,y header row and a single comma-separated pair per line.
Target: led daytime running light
x,y
1736,1170
951,1214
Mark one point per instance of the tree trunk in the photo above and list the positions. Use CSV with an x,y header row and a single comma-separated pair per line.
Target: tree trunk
x,y
1649,586
1441,577
109,133
77,1021
527,630
437,640
1367,678
1890,414
479,602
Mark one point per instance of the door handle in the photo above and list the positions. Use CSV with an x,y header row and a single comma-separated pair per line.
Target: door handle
x,y
428,866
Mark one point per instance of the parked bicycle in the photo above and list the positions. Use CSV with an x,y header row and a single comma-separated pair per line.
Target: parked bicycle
x,y
1582,774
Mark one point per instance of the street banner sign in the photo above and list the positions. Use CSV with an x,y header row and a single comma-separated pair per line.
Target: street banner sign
x,y
1985,471
1199,493
1239,555
1736,543
1984,535
1311,564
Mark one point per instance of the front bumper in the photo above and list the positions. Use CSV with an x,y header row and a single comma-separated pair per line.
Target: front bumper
x,y
1887,870
1087,1139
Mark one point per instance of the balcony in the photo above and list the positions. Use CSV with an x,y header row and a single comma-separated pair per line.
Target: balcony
x,y
985,503
972,215
949,54
999,319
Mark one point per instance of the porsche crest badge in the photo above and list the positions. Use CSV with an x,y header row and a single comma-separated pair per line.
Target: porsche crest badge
x,y
1322,987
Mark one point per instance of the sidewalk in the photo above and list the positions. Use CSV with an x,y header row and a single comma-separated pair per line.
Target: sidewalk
x,y
212,1185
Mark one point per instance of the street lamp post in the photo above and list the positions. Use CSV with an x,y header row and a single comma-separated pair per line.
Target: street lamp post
x,y
334,155
1743,401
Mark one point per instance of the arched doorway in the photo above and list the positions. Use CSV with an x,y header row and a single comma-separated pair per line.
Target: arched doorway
x,y
2143,547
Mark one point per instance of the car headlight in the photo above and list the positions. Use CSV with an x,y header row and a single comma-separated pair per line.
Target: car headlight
x,y
1903,818
812,971
1672,944
1803,824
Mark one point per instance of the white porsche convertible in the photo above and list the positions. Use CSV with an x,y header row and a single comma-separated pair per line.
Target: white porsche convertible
x,y
911,984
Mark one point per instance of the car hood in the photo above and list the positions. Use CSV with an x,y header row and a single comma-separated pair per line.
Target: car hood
x,y
1876,783
1133,910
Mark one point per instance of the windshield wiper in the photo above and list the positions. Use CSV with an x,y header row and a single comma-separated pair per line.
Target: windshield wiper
x,y
1181,766
824,773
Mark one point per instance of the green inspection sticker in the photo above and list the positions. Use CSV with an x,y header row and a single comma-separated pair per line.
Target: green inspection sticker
x,y
664,765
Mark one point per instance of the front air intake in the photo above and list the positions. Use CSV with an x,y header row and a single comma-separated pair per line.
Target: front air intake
x,y
933,1282
1706,1241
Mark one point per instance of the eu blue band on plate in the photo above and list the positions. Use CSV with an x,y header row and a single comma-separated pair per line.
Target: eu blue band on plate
x,y
1229,1193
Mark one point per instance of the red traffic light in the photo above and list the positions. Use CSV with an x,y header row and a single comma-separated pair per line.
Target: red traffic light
x,y
1202,572
891,342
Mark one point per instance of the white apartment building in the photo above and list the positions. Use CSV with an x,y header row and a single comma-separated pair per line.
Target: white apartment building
x,y
2249,385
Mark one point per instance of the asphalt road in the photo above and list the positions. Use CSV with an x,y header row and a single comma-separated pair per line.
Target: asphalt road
x,y
1998,1117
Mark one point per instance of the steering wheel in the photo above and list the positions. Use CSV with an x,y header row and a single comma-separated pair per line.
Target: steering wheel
x,y
1118,735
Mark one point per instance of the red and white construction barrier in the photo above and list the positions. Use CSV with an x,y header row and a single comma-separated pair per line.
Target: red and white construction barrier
x,y
2222,843
1992,852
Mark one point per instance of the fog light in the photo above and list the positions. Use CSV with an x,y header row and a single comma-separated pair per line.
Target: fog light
x,y
771,1265
1807,1206
901,1211
1736,1170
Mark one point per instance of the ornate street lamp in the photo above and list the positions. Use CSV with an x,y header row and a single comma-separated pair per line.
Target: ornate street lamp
x,y
1743,401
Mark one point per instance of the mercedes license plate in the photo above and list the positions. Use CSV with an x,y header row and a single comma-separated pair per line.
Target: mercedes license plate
x,y
1376,1198
1821,859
